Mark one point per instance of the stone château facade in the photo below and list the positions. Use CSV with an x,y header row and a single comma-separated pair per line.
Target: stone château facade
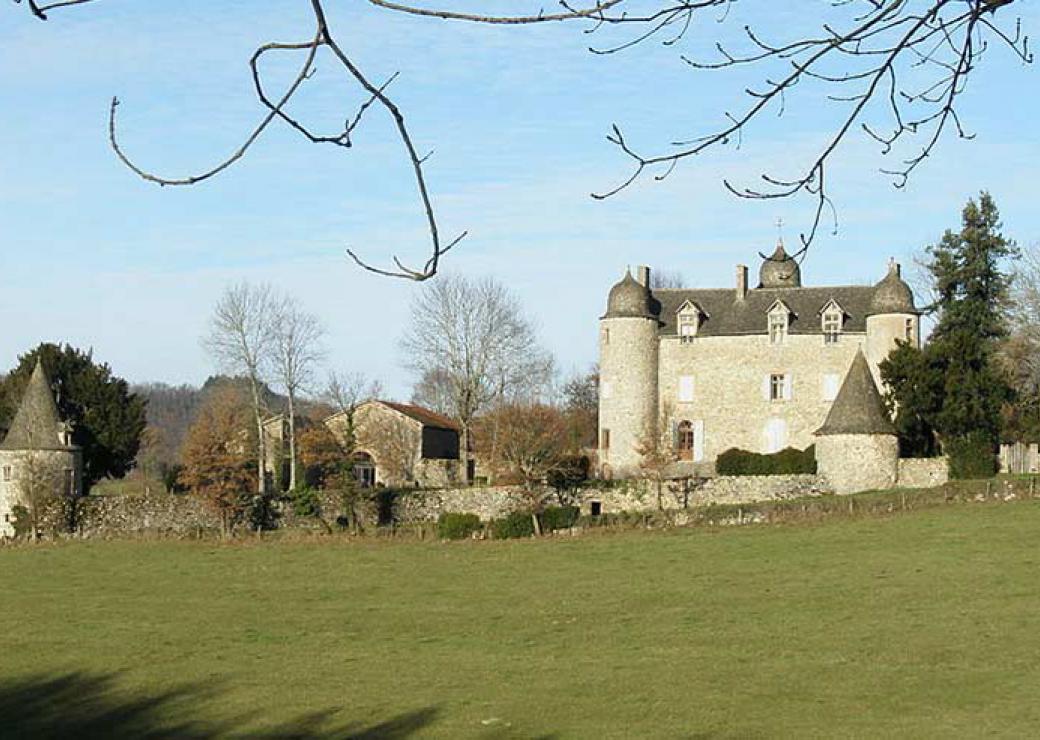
x,y
37,456
701,371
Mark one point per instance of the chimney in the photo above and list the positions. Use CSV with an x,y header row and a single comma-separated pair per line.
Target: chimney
x,y
741,282
643,275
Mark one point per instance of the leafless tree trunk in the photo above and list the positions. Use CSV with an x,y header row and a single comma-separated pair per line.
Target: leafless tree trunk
x,y
297,351
474,334
240,339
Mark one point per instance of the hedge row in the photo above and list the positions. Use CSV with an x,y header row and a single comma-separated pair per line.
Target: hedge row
x,y
786,462
515,525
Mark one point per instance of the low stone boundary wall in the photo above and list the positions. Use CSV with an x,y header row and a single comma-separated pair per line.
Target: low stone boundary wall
x,y
643,495
184,515
161,513
923,472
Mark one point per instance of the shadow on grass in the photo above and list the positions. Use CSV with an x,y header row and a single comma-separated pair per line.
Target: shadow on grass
x,y
91,707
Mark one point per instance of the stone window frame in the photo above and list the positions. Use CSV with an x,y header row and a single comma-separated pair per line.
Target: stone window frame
x,y
685,439
778,387
688,321
8,474
832,318
778,323
604,439
909,330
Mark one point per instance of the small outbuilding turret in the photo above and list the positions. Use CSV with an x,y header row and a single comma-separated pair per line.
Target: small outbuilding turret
x,y
857,448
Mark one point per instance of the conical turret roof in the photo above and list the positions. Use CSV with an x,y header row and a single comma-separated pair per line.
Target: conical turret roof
x,y
858,408
36,423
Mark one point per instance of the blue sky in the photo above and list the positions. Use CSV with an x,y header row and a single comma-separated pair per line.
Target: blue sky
x,y
516,118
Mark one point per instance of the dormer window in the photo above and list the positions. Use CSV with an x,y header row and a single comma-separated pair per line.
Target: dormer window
x,y
687,326
688,321
779,316
831,319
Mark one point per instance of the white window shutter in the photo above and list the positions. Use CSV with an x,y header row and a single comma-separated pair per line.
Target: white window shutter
x,y
606,389
698,441
787,386
830,386
686,388
765,387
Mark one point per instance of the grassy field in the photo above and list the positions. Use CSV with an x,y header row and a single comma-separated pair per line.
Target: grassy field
x,y
917,625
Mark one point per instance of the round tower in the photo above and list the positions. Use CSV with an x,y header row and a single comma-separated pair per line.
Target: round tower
x,y
892,316
628,349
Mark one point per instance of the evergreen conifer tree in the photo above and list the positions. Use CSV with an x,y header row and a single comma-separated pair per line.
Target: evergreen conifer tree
x,y
954,385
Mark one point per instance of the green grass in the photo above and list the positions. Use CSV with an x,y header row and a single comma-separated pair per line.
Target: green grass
x,y
916,625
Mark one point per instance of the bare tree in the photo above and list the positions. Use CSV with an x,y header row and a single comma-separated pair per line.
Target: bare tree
x,y
39,485
657,451
396,444
240,340
1021,350
667,279
433,391
473,333
904,61
298,349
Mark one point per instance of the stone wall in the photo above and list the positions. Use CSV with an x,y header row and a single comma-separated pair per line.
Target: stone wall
x,y
851,463
638,495
161,513
923,472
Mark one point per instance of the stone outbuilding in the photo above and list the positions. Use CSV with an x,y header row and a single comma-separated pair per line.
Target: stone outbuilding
x,y
857,448
37,453
401,444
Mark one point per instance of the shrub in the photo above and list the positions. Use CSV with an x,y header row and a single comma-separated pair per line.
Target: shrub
x,y
786,462
571,473
971,456
457,526
517,524
305,502
21,521
558,517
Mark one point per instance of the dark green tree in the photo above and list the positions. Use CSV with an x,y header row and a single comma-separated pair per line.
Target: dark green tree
x,y
107,418
955,385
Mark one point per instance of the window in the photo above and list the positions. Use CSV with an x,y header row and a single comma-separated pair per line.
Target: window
x,y
685,388
606,389
687,327
909,330
604,439
595,508
831,326
364,470
777,327
70,483
606,335
7,472
688,321
685,440
779,387
831,383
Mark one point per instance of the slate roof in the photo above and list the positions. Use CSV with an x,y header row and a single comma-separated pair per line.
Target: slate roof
x,y
423,415
727,316
858,408
36,423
